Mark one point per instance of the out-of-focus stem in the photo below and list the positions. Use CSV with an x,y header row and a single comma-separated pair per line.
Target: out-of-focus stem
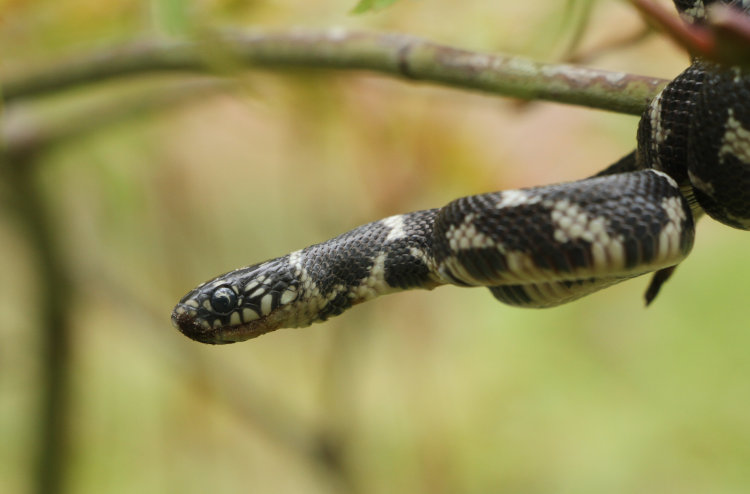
x,y
54,313
403,56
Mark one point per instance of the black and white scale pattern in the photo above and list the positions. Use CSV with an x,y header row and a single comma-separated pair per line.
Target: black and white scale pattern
x,y
536,247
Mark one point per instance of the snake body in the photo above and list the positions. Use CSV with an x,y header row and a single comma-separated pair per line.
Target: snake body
x,y
534,247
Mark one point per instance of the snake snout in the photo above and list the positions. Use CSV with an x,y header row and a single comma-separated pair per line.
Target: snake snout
x,y
194,323
185,320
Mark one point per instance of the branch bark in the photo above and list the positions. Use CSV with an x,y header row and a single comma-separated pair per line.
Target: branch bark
x,y
402,56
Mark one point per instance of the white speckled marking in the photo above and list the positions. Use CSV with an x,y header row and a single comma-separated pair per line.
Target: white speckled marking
x,y
658,132
424,258
465,236
572,223
510,198
669,237
699,184
375,283
695,12
295,259
396,227
674,209
335,292
306,285
736,140
192,303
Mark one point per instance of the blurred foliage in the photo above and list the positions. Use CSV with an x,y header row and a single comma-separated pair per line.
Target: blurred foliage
x,y
576,19
368,5
172,15
444,391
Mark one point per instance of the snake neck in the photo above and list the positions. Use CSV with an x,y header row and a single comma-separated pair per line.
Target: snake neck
x,y
312,284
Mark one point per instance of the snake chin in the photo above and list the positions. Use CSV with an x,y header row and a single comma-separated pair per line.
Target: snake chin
x,y
198,330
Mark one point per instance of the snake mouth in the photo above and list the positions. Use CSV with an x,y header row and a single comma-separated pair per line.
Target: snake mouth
x,y
186,321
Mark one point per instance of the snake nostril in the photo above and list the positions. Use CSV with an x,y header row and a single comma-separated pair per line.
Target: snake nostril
x,y
180,314
184,319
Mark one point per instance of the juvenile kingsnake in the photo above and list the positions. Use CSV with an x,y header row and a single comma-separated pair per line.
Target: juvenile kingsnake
x,y
536,247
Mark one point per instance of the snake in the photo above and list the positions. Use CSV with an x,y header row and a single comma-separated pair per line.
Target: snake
x,y
532,247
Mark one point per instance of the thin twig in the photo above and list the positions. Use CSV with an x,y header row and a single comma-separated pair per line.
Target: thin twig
x,y
25,129
404,56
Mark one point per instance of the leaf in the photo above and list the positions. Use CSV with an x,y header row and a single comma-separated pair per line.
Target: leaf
x,y
367,5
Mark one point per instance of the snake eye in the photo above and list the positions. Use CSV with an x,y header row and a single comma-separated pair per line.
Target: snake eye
x,y
223,300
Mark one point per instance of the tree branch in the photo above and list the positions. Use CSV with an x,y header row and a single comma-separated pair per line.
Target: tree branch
x,y
25,129
403,56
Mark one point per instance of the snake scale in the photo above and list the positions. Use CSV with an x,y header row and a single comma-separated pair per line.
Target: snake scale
x,y
534,247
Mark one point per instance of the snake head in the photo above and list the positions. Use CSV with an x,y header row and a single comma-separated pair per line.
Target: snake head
x,y
238,305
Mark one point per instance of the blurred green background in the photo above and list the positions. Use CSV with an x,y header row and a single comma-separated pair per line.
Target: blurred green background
x,y
421,392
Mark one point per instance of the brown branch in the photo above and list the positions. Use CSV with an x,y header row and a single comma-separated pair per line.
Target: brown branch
x,y
397,55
